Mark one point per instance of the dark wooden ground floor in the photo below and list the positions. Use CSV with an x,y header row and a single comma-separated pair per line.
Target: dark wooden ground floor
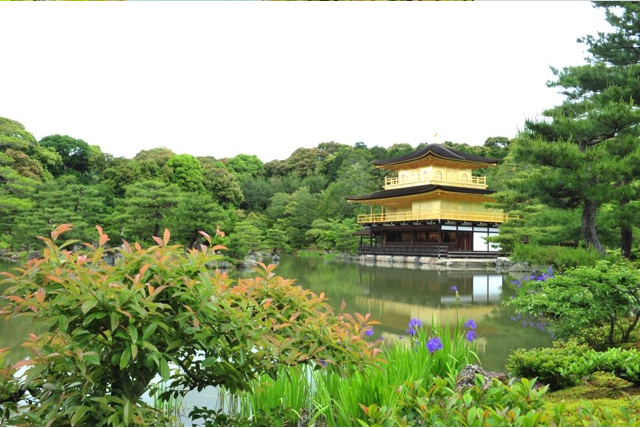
x,y
436,239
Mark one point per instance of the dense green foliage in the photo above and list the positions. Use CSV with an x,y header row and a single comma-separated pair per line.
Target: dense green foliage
x,y
562,366
599,304
568,363
584,154
420,388
414,387
105,331
561,257
279,206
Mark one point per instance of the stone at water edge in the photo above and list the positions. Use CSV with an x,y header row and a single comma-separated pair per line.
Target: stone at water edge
x,y
467,377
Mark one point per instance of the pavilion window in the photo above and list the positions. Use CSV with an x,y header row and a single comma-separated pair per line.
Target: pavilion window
x,y
450,236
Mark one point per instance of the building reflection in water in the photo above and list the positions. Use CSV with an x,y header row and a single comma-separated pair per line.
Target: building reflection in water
x,y
394,295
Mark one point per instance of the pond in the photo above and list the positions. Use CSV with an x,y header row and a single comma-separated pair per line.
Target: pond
x,y
393,295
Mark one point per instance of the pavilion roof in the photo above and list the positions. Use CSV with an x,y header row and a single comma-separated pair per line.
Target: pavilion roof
x,y
437,151
417,190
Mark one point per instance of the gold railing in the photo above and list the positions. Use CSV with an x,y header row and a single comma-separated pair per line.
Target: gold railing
x,y
417,179
434,215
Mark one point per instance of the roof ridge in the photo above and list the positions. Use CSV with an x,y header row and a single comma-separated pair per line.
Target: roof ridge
x,y
451,151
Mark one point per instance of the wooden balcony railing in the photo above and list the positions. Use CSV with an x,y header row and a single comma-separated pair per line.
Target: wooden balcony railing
x,y
418,179
482,216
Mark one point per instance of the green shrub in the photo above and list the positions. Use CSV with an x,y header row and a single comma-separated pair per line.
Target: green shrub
x,y
310,253
442,404
559,367
553,255
584,300
567,363
624,363
107,331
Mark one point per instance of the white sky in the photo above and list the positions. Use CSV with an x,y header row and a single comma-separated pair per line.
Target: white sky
x,y
265,78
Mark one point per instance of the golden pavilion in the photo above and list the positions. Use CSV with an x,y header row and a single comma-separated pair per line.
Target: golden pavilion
x,y
433,205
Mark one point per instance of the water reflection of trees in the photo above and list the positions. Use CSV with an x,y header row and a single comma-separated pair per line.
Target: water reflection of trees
x,y
394,295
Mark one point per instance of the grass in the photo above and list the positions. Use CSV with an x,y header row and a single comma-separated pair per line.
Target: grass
x,y
322,396
311,253
601,400
172,406
552,255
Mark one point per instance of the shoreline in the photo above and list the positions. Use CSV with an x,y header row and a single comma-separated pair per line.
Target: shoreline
x,y
499,264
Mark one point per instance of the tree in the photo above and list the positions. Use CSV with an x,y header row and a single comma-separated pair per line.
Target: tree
x,y
496,147
335,234
148,206
620,51
256,193
619,48
104,332
30,159
59,200
246,238
246,165
598,304
25,165
75,154
13,135
355,176
187,173
301,210
15,198
118,173
276,168
221,184
399,149
584,143
152,164
278,206
276,238
303,162
193,213
331,164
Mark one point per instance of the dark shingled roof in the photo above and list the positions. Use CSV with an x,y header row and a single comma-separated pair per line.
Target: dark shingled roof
x,y
416,190
436,150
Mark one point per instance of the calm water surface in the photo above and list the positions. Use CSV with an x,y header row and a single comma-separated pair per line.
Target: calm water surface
x,y
394,294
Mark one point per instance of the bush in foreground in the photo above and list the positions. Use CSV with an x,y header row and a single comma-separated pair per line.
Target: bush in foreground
x,y
101,333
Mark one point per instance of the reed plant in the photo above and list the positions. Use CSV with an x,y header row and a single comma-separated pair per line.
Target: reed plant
x,y
171,405
322,395
424,354
281,401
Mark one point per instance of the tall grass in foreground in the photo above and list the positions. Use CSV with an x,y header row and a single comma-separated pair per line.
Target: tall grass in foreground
x,y
421,354
302,396
172,407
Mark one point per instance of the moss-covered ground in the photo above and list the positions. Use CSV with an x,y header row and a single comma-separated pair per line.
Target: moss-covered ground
x,y
600,400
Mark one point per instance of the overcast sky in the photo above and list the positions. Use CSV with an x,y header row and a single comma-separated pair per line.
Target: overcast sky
x,y
265,78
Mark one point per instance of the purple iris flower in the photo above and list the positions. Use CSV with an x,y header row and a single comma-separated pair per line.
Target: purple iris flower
x,y
369,332
414,325
454,288
470,324
471,335
434,344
